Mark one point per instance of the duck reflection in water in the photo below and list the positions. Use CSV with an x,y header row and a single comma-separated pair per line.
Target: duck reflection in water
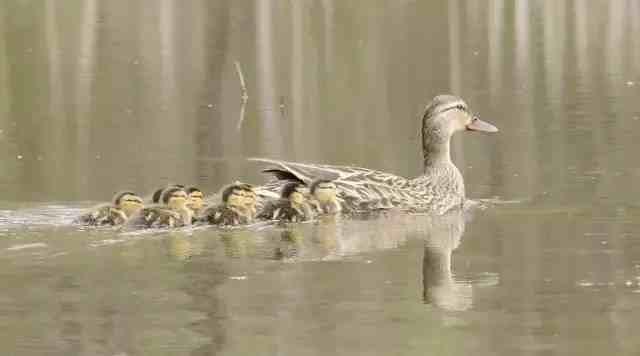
x,y
442,236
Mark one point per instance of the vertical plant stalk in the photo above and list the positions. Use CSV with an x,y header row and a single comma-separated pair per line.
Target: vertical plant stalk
x,y
244,94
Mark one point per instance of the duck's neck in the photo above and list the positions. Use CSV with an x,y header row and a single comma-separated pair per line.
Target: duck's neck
x,y
436,152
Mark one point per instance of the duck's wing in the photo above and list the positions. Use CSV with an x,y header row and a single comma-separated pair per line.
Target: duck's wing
x,y
306,172
358,188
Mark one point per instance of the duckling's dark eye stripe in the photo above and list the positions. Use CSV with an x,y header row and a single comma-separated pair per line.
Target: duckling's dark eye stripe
x,y
134,200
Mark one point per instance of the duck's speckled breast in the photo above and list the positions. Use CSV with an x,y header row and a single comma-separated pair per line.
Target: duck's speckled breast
x,y
439,189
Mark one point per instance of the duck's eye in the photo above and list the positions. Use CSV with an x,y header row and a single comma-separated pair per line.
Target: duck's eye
x,y
461,107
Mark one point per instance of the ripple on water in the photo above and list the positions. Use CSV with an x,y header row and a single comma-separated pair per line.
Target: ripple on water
x,y
27,246
34,218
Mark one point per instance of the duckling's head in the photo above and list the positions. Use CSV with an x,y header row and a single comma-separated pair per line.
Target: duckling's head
x,y
294,192
195,199
235,195
128,202
249,194
444,116
157,195
175,198
323,190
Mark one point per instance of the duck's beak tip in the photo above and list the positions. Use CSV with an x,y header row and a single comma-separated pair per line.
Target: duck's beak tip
x,y
483,126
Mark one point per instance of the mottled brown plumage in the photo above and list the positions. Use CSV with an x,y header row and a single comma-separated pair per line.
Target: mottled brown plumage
x,y
439,189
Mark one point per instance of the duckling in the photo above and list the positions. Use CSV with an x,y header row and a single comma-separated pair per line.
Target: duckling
x,y
124,205
173,213
237,207
195,200
157,195
324,198
292,205
250,199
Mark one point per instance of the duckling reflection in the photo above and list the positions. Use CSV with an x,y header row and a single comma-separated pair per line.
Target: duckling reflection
x,y
183,247
290,244
238,243
443,235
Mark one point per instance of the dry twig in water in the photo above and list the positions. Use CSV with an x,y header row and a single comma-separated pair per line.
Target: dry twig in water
x,y
244,96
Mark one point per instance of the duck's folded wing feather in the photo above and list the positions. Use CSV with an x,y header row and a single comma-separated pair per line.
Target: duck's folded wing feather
x,y
307,173
358,188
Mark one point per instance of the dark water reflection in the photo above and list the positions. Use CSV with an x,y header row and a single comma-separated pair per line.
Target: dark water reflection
x,y
96,96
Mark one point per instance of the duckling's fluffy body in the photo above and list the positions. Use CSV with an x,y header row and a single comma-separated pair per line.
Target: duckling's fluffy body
x,y
124,205
237,207
195,200
173,213
292,206
156,216
105,214
323,197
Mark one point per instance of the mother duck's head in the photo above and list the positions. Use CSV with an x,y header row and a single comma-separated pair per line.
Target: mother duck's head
x,y
444,116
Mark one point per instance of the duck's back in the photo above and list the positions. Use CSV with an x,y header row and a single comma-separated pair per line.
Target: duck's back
x,y
357,188
438,190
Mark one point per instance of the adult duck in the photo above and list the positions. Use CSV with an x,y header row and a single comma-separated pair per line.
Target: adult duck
x,y
439,189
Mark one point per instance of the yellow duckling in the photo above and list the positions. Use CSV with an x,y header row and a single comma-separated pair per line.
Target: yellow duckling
x,y
173,213
250,199
157,195
125,204
238,207
292,205
324,197
195,200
